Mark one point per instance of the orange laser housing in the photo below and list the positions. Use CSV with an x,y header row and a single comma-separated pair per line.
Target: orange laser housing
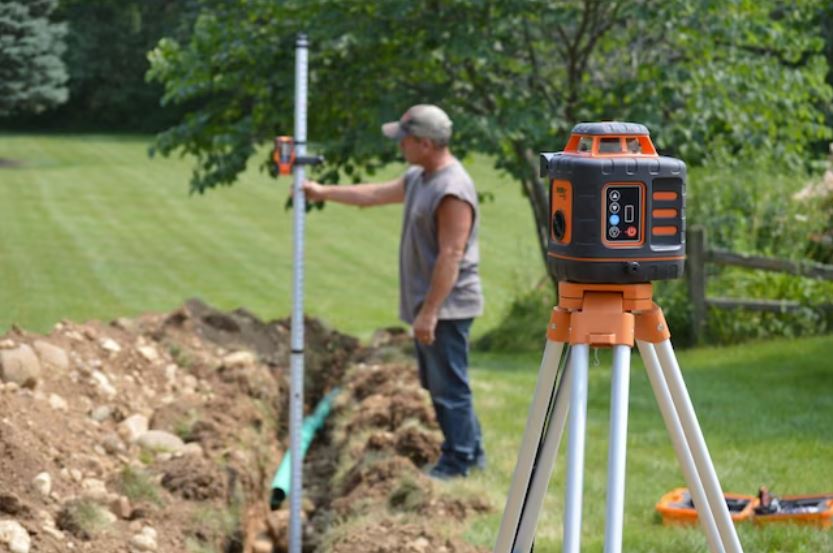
x,y
617,207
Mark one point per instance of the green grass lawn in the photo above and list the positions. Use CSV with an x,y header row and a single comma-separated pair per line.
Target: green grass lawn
x,y
94,229
764,409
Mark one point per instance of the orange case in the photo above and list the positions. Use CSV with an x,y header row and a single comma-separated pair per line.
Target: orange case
x,y
674,508
822,519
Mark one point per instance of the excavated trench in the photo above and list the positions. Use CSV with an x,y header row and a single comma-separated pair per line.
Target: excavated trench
x,y
218,381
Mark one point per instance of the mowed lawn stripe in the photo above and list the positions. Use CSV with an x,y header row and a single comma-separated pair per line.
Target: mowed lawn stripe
x,y
114,233
38,246
120,248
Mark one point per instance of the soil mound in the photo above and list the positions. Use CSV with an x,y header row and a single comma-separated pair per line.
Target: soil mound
x,y
162,433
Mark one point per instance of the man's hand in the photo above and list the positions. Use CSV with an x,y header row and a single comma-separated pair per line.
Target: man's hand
x,y
424,326
314,191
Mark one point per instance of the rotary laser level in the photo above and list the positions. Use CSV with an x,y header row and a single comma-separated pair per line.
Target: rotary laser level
x,y
617,208
618,222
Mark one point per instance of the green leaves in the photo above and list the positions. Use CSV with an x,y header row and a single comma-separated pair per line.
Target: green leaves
x,y
713,81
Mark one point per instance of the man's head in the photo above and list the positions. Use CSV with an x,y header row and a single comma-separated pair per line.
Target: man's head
x,y
421,121
423,132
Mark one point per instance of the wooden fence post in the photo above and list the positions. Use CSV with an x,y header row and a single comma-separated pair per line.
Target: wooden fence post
x,y
696,275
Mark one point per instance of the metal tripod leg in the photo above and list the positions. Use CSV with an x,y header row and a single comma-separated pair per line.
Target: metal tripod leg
x,y
675,431
697,444
578,368
544,465
617,448
549,450
545,387
693,437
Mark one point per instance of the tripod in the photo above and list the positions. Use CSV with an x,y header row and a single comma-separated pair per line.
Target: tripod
x,y
606,315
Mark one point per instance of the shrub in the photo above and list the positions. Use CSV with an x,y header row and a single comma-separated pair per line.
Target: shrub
x,y
754,209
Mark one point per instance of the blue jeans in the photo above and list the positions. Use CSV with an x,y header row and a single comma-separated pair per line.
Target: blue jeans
x,y
443,371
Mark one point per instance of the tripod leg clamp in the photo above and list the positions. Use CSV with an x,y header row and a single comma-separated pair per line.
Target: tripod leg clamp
x,y
559,328
651,326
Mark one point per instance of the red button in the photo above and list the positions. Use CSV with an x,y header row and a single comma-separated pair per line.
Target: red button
x,y
631,231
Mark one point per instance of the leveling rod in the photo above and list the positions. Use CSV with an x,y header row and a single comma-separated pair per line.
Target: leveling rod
x,y
289,156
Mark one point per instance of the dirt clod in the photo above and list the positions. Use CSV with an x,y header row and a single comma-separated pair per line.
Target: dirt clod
x,y
193,478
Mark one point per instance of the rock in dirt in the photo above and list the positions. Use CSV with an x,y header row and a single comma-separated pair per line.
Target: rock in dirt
x,y
121,507
103,383
20,365
58,403
15,536
110,345
143,542
149,353
52,355
43,484
101,413
239,360
112,444
159,440
133,427
95,489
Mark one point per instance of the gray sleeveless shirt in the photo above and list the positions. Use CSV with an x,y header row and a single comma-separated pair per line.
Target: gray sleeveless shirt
x,y
418,247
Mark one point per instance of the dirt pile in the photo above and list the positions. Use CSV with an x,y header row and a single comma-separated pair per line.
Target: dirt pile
x,y
162,433
383,434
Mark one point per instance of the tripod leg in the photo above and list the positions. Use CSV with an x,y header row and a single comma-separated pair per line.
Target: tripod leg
x,y
700,453
619,387
519,488
578,368
675,431
544,465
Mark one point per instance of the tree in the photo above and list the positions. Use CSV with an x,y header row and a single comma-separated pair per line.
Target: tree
x,y
107,42
32,74
712,80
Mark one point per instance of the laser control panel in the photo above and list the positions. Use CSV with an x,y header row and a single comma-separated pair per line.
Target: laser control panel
x,y
623,214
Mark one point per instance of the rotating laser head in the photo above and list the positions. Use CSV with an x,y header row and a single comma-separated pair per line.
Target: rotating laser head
x,y
617,208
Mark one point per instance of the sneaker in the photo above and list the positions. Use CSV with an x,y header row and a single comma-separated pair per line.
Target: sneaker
x,y
446,472
448,467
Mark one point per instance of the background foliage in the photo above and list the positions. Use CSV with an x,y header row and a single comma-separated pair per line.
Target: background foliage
x,y
107,42
714,80
32,73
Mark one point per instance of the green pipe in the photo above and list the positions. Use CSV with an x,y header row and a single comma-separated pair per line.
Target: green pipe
x,y
281,482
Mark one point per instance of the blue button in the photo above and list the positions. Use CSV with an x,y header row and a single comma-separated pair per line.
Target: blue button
x,y
614,219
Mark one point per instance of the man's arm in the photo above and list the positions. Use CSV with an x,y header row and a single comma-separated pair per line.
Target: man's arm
x,y
390,192
454,222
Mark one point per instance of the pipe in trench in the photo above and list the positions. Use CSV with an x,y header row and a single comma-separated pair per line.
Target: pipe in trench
x,y
312,423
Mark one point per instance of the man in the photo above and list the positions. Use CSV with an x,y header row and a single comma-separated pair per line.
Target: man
x,y
440,291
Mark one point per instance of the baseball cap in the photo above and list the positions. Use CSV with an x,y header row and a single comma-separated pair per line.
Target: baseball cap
x,y
423,121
